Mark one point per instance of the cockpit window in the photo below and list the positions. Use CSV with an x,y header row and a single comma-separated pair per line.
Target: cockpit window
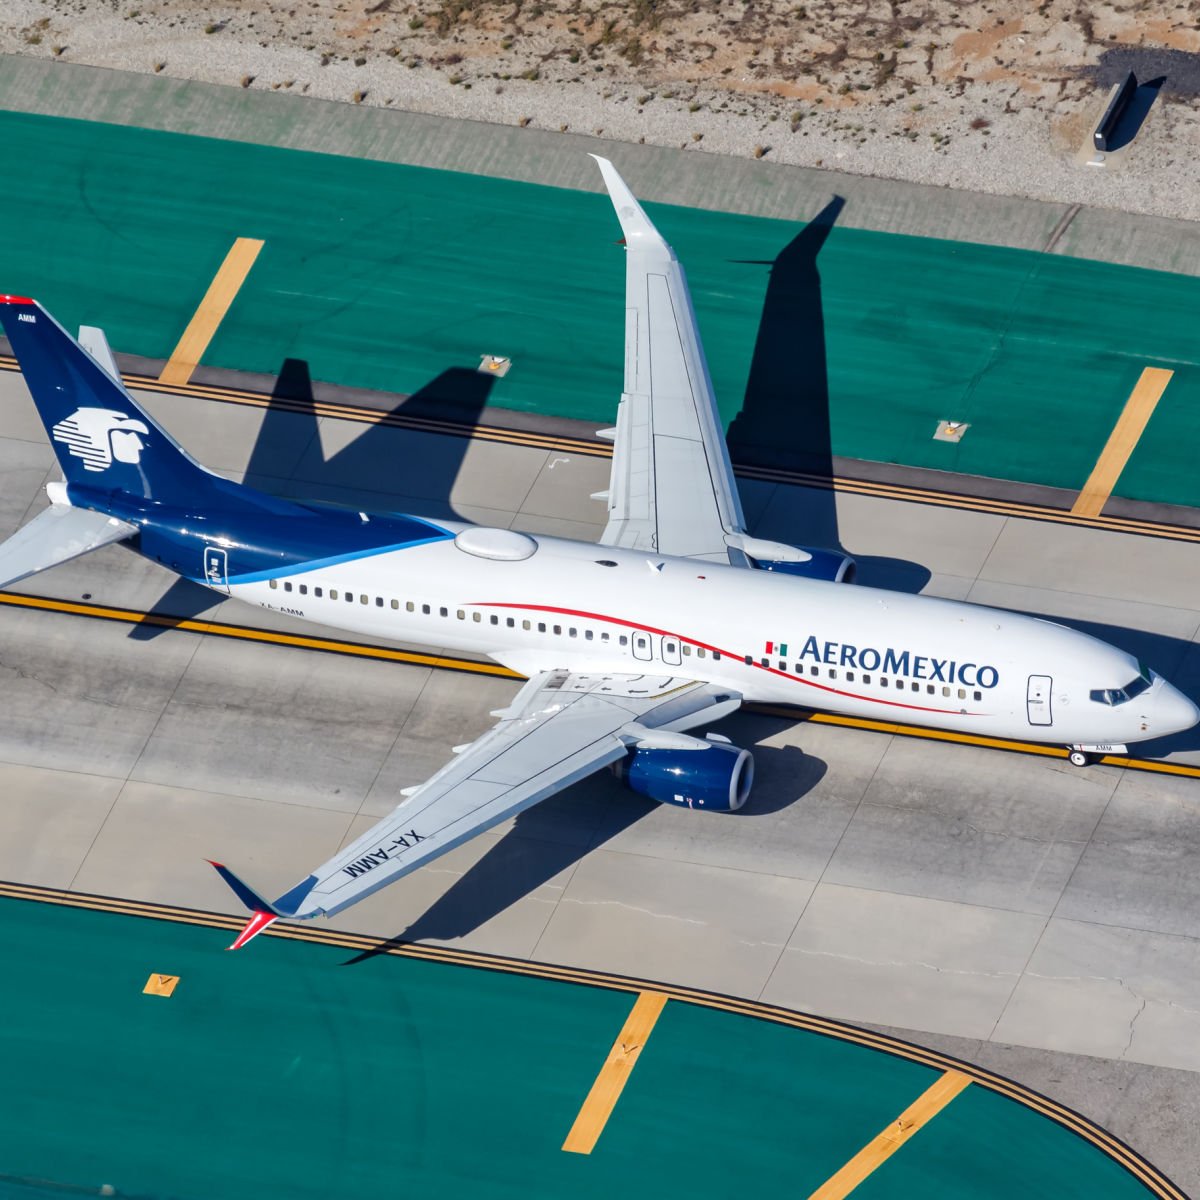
x,y
1115,696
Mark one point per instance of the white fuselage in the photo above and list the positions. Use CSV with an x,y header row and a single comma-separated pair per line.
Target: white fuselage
x,y
771,637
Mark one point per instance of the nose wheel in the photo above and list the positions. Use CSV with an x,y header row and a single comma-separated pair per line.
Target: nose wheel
x,y
1079,758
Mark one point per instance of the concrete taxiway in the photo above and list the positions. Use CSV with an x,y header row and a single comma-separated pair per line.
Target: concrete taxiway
x,y
1032,917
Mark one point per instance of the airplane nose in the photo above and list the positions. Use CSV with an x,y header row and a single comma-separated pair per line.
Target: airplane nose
x,y
1174,712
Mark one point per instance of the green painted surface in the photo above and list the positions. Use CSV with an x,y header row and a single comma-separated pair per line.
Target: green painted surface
x,y
383,276
288,1071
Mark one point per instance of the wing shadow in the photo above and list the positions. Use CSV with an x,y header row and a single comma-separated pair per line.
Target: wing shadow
x,y
552,837
785,416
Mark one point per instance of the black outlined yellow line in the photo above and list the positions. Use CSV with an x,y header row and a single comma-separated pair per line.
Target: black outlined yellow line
x,y
446,662
1149,1175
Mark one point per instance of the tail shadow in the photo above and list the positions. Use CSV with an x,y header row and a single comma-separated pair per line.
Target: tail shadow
x,y
785,417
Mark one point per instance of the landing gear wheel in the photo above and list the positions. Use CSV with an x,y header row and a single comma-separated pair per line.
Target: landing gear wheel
x,y
1078,758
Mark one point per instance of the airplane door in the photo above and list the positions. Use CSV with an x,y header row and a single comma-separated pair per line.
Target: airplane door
x,y
641,645
1037,700
670,651
216,568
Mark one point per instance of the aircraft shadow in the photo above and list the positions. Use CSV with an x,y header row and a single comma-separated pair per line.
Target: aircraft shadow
x,y
549,839
364,473
785,417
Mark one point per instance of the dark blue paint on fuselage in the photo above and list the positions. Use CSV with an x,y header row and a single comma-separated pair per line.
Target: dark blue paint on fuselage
x,y
257,544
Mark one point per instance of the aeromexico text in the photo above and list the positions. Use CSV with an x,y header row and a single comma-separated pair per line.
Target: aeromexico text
x,y
892,662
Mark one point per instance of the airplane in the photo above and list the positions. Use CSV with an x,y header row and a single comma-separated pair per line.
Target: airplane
x,y
673,620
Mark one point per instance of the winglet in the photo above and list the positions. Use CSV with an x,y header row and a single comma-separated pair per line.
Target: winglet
x,y
263,914
638,229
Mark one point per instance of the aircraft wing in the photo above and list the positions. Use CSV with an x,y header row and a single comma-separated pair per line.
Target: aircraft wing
x,y
560,728
672,489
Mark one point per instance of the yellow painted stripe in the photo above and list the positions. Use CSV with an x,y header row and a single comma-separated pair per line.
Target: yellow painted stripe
x,y
185,358
1129,1159
610,1083
1125,435
880,1149
472,667
838,483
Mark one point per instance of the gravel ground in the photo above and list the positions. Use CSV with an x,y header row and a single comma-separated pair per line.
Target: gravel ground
x,y
997,97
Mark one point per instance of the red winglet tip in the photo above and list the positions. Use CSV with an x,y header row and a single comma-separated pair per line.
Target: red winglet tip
x,y
15,300
212,862
257,923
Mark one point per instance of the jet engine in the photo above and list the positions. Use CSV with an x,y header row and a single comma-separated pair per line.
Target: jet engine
x,y
692,772
830,565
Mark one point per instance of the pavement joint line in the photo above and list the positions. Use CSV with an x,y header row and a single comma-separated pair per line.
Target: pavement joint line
x,y
882,1147
468,666
1126,434
795,478
614,1074
185,358
1066,1117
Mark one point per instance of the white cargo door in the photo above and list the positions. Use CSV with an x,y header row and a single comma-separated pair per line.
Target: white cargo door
x,y
1037,700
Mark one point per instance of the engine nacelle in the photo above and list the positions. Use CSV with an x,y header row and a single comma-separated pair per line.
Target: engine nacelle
x,y
830,565
708,774
820,564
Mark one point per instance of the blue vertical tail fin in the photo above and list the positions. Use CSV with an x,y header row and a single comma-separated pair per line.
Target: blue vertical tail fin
x,y
104,439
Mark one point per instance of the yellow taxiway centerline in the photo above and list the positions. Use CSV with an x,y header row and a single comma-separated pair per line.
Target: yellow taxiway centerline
x,y
1121,442
880,1149
610,1083
468,666
185,358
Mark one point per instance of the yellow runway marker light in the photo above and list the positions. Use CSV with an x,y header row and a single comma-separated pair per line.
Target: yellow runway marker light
x,y
185,358
160,985
606,1091
880,1149
1121,442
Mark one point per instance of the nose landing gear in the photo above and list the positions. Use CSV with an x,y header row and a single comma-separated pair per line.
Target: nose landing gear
x,y
1083,755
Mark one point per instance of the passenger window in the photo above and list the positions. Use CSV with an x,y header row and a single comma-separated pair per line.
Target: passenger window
x,y
572,632
425,609
849,676
303,589
832,673
409,606
274,583
477,617
461,614
495,619
945,691
510,622
526,625
916,687
349,597
716,656
624,640
317,592
378,601
883,681
962,693
333,593
287,587
558,630
978,695
783,666
541,627
814,670
866,679
364,598
604,635
396,605
929,688
766,662
443,612
700,652
749,659
588,635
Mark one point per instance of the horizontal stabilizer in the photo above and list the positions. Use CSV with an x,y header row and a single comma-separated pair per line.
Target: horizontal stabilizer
x,y
57,535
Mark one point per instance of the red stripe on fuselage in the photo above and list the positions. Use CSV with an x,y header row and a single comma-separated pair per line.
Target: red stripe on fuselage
x,y
574,612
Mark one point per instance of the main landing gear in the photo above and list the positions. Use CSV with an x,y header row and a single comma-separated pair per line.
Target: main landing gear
x,y
1079,758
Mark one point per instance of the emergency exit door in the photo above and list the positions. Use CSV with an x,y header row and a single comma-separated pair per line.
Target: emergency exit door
x,y
1037,700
